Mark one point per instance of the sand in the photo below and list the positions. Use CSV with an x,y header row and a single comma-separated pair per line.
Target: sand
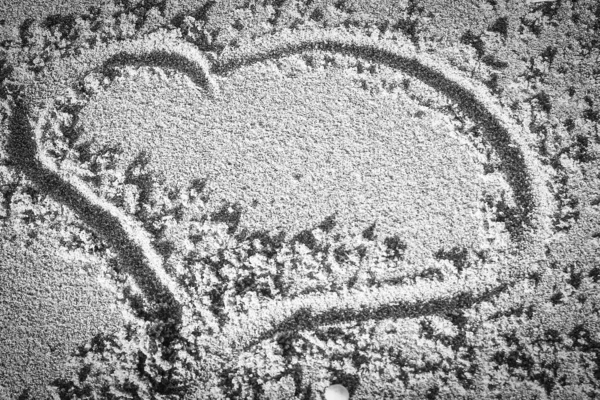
x,y
52,302
243,205
294,150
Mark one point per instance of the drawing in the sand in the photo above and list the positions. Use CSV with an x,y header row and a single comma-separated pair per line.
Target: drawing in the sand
x,y
62,83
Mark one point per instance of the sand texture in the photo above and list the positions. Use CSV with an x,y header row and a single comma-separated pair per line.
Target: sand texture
x,y
267,201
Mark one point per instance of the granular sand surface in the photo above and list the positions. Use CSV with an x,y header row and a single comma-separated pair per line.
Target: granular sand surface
x,y
51,303
238,200
296,147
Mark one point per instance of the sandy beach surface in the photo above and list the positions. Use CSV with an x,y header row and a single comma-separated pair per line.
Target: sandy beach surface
x,y
299,200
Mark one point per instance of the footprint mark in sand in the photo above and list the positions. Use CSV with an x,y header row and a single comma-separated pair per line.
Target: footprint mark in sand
x,y
134,244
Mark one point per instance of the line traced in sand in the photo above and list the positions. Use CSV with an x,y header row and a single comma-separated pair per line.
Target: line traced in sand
x,y
165,50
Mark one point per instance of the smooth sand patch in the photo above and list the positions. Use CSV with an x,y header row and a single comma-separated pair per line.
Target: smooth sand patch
x,y
296,146
49,306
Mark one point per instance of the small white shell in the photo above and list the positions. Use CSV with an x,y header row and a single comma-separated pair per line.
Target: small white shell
x,y
336,392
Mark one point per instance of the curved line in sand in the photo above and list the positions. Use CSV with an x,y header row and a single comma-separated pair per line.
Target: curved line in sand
x,y
424,297
127,235
524,173
160,49
120,230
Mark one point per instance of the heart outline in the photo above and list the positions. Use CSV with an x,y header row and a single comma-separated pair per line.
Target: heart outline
x,y
135,243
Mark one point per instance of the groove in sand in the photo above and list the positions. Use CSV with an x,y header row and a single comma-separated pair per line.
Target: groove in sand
x,y
524,174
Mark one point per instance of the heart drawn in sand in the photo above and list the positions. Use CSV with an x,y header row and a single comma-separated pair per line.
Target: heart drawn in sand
x,y
135,245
